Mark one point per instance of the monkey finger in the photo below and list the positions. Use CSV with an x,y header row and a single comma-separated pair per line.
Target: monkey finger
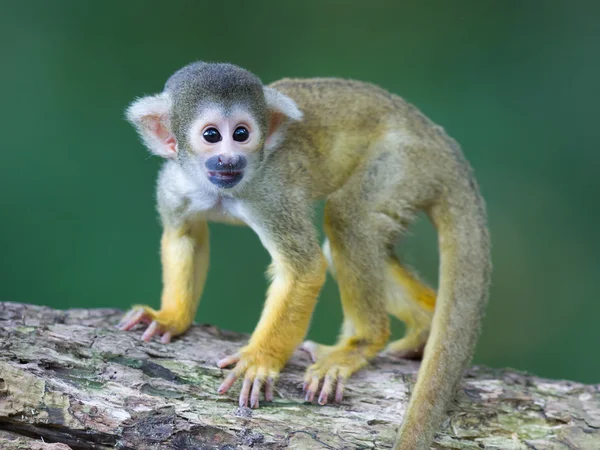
x,y
228,361
311,390
134,317
326,389
339,390
308,377
305,383
126,317
255,395
166,338
269,389
245,392
228,382
151,331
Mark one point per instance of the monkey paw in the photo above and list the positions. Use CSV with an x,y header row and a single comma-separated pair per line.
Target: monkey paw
x,y
333,366
258,370
161,323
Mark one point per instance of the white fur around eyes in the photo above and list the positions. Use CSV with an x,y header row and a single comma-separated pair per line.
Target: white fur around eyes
x,y
226,124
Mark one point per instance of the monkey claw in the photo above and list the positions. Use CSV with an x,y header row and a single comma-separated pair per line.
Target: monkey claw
x,y
333,365
258,371
146,315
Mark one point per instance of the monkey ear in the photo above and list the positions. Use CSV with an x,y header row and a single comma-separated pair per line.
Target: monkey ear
x,y
150,116
282,110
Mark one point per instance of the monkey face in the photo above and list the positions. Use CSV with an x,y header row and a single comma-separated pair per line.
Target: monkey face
x,y
217,121
223,147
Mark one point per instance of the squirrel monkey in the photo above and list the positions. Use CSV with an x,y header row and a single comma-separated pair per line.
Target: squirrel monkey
x,y
240,152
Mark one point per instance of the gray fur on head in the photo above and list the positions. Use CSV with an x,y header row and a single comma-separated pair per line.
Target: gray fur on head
x,y
201,83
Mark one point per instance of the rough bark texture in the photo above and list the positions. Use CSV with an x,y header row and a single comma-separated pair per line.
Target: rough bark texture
x,y
70,380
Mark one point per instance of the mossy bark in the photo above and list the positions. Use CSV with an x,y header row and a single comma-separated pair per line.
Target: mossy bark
x,y
71,380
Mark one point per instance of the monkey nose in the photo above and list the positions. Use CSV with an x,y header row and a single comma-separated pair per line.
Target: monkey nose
x,y
232,161
226,163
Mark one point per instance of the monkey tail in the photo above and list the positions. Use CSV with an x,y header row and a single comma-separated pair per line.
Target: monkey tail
x,y
465,269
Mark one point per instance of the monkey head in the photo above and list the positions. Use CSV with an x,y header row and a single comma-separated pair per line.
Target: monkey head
x,y
217,121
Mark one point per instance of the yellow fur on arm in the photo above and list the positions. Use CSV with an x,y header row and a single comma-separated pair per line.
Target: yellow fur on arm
x,y
184,255
285,318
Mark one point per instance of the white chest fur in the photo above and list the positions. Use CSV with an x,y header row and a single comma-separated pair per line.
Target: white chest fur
x,y
227,210
194,196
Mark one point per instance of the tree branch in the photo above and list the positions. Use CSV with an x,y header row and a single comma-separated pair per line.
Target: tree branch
x,y
71,380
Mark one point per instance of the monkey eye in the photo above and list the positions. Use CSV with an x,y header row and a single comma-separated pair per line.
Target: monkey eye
x,y
211,135
241,134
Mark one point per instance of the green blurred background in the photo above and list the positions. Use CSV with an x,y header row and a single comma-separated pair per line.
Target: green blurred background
x,y
516,83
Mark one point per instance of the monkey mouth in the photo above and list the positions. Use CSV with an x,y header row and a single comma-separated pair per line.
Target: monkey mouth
x,y
225,178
